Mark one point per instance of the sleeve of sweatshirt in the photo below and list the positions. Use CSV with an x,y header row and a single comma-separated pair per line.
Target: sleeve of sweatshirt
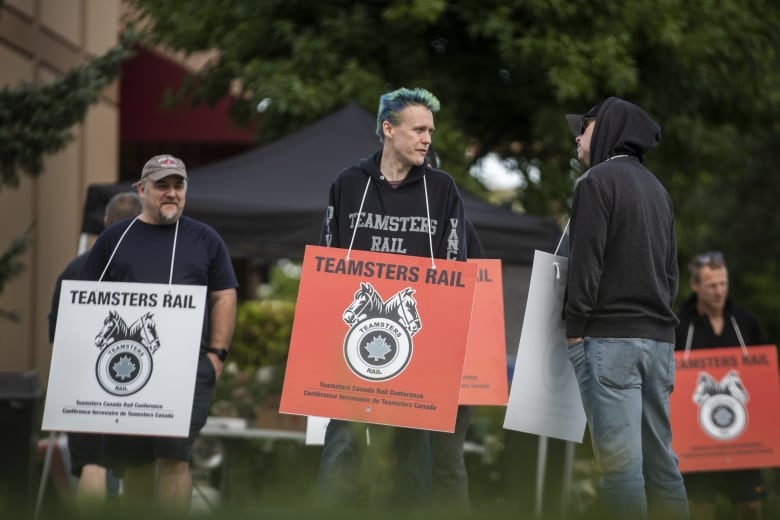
x,y
454,240
672,269
329,233
589,221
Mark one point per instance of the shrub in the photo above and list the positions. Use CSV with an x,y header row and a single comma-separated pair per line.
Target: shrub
x,y
262,336
258,355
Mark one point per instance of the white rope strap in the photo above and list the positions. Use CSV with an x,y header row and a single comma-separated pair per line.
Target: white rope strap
x,y
428,213
116,247
357,220
173,252
689,338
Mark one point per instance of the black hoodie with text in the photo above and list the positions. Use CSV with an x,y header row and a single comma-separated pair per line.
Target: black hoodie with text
x,y
623,273
395,220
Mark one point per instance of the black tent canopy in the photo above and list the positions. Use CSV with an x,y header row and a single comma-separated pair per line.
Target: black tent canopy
x,y
269,202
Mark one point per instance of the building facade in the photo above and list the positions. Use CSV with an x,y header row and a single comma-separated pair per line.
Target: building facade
x,y
39,41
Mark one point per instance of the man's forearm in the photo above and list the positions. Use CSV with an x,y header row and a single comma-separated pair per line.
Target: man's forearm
x,y
222,320
222,323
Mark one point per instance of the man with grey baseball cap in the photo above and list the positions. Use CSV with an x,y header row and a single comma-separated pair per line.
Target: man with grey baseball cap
x,y
161,166
164,247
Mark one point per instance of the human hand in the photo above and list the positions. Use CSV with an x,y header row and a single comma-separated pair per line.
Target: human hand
x,y
216,363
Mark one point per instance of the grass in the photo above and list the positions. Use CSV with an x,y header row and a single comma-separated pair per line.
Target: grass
x,y
276,480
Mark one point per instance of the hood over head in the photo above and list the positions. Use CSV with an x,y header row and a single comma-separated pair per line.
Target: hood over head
x,y
622,128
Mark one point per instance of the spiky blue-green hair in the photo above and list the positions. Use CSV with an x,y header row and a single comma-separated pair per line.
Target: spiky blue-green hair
x,y
391,104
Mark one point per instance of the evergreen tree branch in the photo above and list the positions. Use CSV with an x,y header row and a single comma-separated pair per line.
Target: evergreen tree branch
x,y
37,120
11,266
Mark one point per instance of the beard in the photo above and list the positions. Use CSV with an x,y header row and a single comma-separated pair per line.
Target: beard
x,y
169,213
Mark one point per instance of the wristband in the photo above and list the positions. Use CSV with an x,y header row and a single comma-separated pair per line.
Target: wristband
x,y
221,353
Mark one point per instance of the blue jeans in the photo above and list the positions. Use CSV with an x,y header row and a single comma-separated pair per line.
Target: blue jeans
x,y
625,385
397,464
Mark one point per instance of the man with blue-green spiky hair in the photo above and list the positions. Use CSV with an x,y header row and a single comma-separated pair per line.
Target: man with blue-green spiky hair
x,y
391,104
393,201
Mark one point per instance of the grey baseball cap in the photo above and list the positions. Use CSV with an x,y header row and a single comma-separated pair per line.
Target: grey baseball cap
x,y
161,166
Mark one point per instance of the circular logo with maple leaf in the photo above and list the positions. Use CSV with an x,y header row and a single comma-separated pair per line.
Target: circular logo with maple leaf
x,y
124,367
378,349
722,417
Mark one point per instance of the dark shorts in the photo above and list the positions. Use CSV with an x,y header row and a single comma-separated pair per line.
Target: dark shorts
x,y
84,449
124,451
738,486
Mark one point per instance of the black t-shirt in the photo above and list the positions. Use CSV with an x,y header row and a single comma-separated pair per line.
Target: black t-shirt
x,y
144,256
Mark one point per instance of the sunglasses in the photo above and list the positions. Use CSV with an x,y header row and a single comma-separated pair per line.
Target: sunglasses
x,y
708,257
584,123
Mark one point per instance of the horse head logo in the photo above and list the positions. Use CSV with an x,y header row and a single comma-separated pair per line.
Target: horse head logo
x,y
113,327
143,330
146,331
706,386
404,307
400,308
367,303
732,384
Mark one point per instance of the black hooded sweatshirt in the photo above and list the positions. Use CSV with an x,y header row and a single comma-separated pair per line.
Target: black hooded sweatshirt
x,y
395,220
623,273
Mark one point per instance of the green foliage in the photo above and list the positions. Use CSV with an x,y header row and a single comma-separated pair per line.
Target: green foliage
x,y
258,356
309,58
262,335
37,120
284,279
745,230
11,266
526,64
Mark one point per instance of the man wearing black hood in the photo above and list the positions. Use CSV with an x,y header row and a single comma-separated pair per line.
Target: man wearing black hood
x,y
622,283
393,201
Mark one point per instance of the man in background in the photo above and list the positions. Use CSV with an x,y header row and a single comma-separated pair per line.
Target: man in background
x,y
709,319
86,457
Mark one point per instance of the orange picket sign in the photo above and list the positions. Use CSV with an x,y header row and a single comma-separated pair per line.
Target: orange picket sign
x,y
379,338
724,409
484,380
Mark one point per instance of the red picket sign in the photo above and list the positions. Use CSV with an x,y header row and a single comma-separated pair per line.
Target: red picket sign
x,y
724,407
379,338
484,380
